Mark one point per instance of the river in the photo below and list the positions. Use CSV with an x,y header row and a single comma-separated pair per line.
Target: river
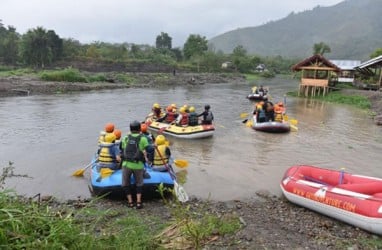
x,y
48,137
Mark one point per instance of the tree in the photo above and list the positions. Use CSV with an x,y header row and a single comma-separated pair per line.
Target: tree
x,y
9,45
240,60
376,53
239,51
194,46
321,48
163,41
39,47
72,48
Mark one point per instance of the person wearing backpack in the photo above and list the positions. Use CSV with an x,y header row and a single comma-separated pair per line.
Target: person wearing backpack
x,y
208,117
133,153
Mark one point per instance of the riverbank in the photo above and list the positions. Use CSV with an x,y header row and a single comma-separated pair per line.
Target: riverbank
x,y
33,85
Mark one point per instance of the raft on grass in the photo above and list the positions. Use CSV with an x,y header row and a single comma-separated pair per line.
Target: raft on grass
x,y
354,199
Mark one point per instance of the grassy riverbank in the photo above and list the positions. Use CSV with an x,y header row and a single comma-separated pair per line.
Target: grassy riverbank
x,y
263,223
44,223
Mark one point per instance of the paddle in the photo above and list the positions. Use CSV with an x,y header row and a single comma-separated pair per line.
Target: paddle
x,y
292,122
105,172
80,172
181,163
243,115
179,190
160,131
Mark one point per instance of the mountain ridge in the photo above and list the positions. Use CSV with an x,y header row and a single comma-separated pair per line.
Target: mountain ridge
x,y
351,28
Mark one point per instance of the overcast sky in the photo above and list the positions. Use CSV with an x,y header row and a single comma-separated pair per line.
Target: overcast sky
x,y
140,21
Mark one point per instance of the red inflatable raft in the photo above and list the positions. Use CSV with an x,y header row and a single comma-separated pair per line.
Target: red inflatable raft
x,y
354,199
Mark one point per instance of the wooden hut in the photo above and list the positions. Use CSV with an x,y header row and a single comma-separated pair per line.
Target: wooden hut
x,y
372,68
316,75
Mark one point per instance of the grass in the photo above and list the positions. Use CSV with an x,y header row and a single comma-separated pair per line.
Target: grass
x,y
27,224
252,77
358,101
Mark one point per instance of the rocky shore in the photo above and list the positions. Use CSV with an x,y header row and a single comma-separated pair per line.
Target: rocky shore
x,y
31,85
266,222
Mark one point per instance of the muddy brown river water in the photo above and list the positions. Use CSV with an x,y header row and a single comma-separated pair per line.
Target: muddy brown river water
x,y
48,137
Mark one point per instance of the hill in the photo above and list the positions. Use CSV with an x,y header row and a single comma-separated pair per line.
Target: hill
x,y
352,29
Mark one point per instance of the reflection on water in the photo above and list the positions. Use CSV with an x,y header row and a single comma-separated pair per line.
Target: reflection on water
x,y
49,137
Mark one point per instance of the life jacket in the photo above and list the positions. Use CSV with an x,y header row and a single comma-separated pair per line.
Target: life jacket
x,y
157,159
209,117
105,155
130,146
157,113
278,117
193,119
170,117
184,120
261,114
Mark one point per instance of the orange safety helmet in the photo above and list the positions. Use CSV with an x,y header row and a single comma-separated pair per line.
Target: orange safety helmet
x,y
169,108
117,133
109,127
143,128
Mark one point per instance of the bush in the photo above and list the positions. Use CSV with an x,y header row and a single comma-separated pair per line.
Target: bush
x,y
66,75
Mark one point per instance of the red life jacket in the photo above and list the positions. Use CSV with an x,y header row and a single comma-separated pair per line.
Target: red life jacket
x,y
170,117
184,120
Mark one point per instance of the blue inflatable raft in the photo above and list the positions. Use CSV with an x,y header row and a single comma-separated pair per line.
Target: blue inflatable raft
x,y
110,183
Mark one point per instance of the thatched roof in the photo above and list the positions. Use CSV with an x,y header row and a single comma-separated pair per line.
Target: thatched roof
x,y
316,62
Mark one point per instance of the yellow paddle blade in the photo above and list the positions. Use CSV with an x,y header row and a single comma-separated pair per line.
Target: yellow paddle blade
x,y
243,115
105,172
293,121
181,163
293,128
249,123
167,142
79,172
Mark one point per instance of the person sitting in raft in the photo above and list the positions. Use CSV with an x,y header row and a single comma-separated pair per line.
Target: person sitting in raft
x,y
150,138
170,115
118,134
182,119
193,119
162,155
269,111
156,112
208,117
259,113
108,156
262,91
109,128
278,113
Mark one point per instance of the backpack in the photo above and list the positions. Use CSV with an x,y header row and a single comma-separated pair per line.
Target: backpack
x,y
131,151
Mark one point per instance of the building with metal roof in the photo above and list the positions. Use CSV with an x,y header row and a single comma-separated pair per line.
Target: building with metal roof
x,y
347,73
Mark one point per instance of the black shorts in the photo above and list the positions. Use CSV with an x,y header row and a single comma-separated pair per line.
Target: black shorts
x,y
126,175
